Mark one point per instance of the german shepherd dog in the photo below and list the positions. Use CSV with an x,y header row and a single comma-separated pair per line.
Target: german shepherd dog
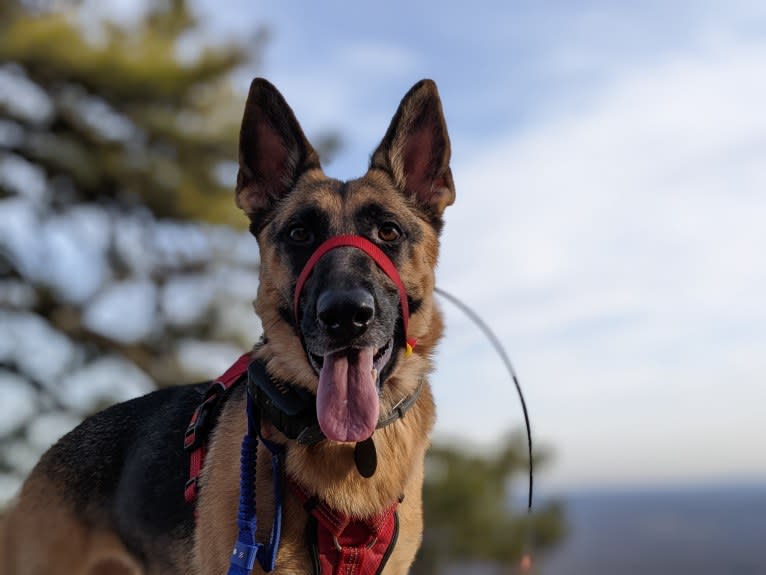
x,y
108,497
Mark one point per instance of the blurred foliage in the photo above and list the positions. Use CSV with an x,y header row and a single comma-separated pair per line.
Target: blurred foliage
x,y
130,122
118,150
468,514
123,123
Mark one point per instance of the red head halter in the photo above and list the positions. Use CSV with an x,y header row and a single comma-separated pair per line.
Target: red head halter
x,y
378,256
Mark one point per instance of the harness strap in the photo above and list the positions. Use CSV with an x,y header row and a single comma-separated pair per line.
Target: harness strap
x,y
344,545
196,433
378,256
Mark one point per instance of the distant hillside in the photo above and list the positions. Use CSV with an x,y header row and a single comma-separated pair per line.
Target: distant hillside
x,y
711,531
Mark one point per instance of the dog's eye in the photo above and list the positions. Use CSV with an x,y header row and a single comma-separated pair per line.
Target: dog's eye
x,y
389,232
300,235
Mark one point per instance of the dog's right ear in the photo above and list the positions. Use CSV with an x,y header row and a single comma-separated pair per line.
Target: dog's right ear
x,y
273,152
416,150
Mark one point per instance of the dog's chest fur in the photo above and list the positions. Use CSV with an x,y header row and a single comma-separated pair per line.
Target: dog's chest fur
x,y
400,465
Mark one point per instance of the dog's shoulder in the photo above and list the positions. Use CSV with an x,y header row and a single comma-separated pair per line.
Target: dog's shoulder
x,y
125,467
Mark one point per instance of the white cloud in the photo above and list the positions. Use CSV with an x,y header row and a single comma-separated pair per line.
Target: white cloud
x,y
383,61
619,256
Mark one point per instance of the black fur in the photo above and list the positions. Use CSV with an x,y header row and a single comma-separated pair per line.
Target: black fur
x,y
125,468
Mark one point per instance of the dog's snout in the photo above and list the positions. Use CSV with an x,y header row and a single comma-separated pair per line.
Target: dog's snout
x,y
345,314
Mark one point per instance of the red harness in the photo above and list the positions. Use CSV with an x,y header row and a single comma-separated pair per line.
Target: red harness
x,y
195,438
348,546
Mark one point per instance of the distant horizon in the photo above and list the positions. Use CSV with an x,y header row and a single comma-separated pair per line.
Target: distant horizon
x,y
706,532
701,486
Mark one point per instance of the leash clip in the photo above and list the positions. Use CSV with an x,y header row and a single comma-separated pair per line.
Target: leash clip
x,y
244,555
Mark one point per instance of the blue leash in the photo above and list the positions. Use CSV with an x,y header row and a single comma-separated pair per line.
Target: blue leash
x,y
246,549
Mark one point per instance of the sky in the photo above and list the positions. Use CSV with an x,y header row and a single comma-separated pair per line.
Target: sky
x,y
611,200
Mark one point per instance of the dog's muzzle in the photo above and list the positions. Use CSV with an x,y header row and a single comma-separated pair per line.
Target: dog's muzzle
x,y
347,393
377,255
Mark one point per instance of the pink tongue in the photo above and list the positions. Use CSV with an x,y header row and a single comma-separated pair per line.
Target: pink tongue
x,y
347,398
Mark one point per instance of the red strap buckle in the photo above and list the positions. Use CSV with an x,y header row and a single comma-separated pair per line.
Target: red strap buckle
x,y
196,433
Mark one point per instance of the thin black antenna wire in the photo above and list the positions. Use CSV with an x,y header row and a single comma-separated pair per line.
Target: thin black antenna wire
x,y
509,366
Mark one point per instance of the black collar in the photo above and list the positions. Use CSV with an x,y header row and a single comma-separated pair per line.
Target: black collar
x,y
292,409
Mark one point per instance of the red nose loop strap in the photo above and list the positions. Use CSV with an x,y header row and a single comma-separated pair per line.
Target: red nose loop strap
x,y
380,258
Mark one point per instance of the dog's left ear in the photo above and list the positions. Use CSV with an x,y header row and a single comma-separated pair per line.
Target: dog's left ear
x,y
273,152
416,149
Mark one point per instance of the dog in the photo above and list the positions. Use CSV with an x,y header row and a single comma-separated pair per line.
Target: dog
x,y
108,498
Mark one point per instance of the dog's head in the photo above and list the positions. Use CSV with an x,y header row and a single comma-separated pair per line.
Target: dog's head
x,y
344,340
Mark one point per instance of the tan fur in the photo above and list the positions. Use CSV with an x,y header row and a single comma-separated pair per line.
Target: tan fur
x,y
43,535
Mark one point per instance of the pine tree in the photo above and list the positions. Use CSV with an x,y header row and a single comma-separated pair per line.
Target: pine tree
x,y
469,515
123,260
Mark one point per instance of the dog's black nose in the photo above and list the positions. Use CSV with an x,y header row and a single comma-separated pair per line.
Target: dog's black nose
x,y
345,314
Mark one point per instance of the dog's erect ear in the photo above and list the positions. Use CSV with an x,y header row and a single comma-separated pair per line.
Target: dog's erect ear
x,y
416,149
273,151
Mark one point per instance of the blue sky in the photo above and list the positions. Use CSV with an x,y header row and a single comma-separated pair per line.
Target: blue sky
x,y
609,163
